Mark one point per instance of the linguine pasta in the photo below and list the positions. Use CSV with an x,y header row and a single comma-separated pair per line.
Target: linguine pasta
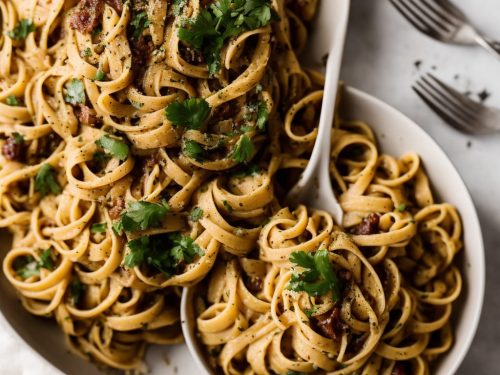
x,y
148,145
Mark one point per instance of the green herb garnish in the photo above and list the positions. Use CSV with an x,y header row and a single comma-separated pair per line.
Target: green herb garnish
x,y
243,150
193,150
98,228
318,277
262,116
22,29
190,113
75,92
12,100
250,170
401,207
142,215
100,75
165,253
222,20
196,214
139,22
29,267
87,52
115,146
76,290
18,138
45,181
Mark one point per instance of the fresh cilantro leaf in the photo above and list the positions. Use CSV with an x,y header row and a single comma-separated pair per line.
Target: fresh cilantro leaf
x,y
115,146
227,206
222,20
401,207
46,182
178,7
190,113
76,290
98,228
100,75
196,214
165,253
12,100
262,116
87,52
243,150
18,138
139,22
22,29
193,150
143,215
318,277
309,312
250,170
28,266
75,92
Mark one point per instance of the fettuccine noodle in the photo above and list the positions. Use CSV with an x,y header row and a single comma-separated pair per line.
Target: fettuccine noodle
x,y
148,145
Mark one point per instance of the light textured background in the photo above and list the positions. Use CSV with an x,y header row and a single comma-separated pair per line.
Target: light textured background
x,y
380,54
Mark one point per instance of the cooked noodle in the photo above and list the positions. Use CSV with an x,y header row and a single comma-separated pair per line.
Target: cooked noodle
x,y
140,153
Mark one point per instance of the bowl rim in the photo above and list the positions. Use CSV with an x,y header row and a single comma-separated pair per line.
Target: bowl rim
x,y
188,326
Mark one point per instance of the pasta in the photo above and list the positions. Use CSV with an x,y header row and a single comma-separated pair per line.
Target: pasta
x,y
148,145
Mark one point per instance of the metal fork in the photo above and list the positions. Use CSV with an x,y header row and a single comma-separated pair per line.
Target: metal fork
x,y
443,21
459,111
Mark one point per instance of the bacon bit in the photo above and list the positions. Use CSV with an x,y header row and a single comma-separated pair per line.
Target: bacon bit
x,y
86,115
369,225
12,149
118,207
86,16
330,323
400,369
115,4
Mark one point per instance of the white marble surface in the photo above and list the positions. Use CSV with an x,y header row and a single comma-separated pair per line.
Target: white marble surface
x,y
380,53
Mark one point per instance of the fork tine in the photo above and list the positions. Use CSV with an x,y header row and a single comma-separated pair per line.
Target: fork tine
x,y
429,25
446,12
450,111
468,104
408,14
431,14
448,101
458,125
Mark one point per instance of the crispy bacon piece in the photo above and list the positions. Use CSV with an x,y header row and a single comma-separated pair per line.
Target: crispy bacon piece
x,y
369,225
86,115
88,12
118,207
11,149
330,323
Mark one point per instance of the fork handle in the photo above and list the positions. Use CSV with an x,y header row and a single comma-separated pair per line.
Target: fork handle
x,y
488,44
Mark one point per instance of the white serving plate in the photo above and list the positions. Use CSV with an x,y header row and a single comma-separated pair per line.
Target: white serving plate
x,y
397,135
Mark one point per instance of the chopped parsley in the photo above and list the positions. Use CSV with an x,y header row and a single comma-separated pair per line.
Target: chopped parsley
x,y
75,92
310,312
190,113
401,207
142,215
262,116
28,266
165,252
22,29
222,20
139,22
12,100
45,181
100,75
318,277
196,214
76,290
117,147
18,138
243,150
98,228
193,150
87,52
250,170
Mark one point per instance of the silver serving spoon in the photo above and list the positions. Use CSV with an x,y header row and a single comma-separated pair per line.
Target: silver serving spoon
x,y
314,187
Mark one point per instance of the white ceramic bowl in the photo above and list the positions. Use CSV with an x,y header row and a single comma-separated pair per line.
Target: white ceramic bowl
x,y
397,134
